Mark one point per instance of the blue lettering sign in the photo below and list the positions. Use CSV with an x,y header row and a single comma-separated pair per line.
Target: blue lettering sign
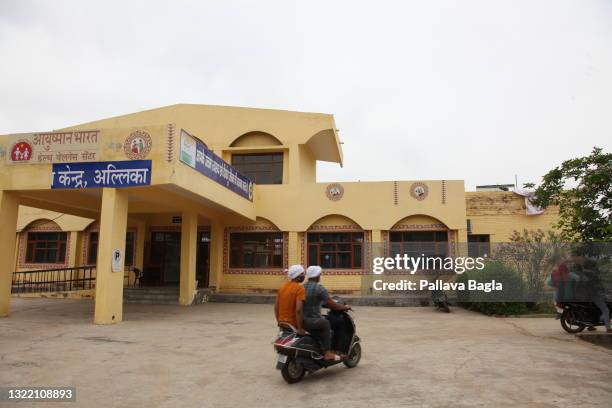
x,y
114,174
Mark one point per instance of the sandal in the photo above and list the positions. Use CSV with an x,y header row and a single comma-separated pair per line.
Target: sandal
x,y
336,358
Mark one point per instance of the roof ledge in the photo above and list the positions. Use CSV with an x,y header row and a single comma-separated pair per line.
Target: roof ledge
x,y
325,146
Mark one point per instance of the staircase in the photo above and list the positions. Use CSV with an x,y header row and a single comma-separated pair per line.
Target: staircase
x,y
162,295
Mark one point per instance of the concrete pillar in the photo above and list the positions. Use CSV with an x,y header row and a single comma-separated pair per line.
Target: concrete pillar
x,y
294,248
216,254
73,249
18,236
109,284
294,165
376,250
377,247
462,243
9,208
141,235
189,246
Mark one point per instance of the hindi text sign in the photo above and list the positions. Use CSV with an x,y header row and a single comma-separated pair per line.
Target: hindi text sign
x,y
213,166
54,147
114,174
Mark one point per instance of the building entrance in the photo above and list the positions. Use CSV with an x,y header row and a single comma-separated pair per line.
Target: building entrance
x,y
164,260
203,260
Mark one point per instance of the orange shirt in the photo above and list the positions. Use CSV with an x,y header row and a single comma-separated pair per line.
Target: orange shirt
x,y
288,294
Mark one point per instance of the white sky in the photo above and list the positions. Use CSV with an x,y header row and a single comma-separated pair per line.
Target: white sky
x,y
478,90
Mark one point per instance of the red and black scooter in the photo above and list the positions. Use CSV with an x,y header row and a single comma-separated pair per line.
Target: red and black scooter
x,y
298,355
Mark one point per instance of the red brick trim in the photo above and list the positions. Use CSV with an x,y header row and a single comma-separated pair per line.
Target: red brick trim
x,y
420,227
342,228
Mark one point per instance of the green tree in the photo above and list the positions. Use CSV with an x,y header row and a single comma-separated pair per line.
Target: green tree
x,y
582,188
533,254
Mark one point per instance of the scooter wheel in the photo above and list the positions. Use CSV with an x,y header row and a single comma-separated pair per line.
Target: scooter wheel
x,y
354,356
293,371
568,323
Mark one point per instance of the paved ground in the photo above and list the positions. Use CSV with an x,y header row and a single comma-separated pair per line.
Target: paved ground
x,y
220,355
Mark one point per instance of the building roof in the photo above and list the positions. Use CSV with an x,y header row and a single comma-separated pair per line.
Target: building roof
x,y
220,126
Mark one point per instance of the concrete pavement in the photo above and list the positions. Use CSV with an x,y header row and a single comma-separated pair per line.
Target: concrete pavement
x,y
220,355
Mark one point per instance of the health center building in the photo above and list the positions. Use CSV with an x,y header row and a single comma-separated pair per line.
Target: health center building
x,y
218,199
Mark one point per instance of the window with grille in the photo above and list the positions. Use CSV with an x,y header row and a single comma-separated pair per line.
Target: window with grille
x,y
256,250
261,168
336,250
46,247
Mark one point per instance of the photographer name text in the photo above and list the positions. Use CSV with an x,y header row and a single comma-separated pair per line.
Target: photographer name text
x,y
424,284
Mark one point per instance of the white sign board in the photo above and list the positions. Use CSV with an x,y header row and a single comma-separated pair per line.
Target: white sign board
x,y
54,147
117,262
188,149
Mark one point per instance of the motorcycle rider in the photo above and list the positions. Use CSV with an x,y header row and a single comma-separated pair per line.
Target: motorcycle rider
x,y
289,305
316,296
595,290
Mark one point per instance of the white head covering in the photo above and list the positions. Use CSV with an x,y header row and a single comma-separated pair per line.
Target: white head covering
x,y
313,271
294,271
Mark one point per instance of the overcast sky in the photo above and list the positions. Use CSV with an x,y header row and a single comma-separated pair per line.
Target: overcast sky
x,y
478,90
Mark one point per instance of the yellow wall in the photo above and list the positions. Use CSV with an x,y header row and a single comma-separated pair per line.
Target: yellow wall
x,y
500,213
292,207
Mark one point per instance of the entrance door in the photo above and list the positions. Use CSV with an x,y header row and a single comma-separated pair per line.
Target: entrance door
x,y
203,259
165,258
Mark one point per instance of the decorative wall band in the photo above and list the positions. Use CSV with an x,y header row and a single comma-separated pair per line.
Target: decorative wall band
x,y
420,227
327,228
170,143
443,191
395,193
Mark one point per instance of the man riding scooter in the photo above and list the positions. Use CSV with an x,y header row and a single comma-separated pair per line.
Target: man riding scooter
x,y
289,304
316,296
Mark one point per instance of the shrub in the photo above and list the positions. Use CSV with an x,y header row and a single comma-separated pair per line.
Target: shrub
x,y
509,301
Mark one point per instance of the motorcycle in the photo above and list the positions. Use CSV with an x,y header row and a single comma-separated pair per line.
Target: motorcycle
x,y
298,355
576,316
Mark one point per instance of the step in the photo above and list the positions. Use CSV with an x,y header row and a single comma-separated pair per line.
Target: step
x,y
151,290
150,302
151,297
161,295
242,298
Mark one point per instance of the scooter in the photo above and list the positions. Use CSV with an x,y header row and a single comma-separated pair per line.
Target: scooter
x,y
576,316
298,355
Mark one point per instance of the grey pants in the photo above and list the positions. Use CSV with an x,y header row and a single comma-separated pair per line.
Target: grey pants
x,y
600,302
320,328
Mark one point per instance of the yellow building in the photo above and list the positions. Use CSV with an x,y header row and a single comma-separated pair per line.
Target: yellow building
x,y
215,197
